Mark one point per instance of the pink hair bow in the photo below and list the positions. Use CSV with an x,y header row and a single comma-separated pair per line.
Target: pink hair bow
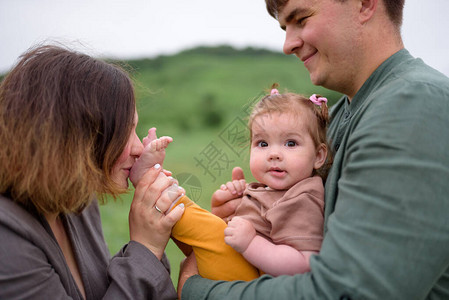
x,y
274,92
318,100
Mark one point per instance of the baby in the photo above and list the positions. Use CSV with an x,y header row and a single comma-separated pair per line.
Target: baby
x,y
279,223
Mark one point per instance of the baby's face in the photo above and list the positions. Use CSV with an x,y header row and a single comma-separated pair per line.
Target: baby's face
x,y
282,150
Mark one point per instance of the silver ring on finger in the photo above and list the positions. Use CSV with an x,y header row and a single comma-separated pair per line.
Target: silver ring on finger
x,y
158,209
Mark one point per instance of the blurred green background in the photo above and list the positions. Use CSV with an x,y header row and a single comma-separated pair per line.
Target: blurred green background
x,y
200,97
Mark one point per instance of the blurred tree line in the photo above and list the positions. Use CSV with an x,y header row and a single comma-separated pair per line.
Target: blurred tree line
x,y
208,86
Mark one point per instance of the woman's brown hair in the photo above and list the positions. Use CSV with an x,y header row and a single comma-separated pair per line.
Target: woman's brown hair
x,y
65,118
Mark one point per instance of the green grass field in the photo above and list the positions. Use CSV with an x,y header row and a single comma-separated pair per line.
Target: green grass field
x,y
200,97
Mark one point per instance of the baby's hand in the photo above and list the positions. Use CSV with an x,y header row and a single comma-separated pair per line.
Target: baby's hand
x,y
224,202
239,234
235,187
231,192
153,153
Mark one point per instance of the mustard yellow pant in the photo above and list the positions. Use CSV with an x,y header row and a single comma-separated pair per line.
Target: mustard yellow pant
x,y
203,232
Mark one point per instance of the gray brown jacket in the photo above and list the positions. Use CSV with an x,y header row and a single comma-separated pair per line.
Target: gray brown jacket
x,y
32,265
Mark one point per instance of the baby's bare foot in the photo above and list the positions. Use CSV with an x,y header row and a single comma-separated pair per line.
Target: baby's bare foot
x,y
153,153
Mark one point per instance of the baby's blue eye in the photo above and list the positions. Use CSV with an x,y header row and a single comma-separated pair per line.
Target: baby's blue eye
x,y
262,144
290,144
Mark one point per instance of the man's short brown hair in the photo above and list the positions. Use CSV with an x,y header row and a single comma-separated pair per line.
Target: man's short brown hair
x,y
394,9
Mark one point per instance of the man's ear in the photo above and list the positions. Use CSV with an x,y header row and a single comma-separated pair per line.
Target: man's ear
x,y
321,154
367,10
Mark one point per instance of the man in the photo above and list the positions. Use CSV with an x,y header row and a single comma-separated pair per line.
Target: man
x,y
387,197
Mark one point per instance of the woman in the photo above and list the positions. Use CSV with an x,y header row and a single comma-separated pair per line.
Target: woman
x,y
67,126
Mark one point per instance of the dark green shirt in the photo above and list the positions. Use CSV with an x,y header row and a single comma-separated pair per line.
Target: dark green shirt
x,y
387,197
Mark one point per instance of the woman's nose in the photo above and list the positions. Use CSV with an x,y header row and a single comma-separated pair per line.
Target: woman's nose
x,y
293,41
137,146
